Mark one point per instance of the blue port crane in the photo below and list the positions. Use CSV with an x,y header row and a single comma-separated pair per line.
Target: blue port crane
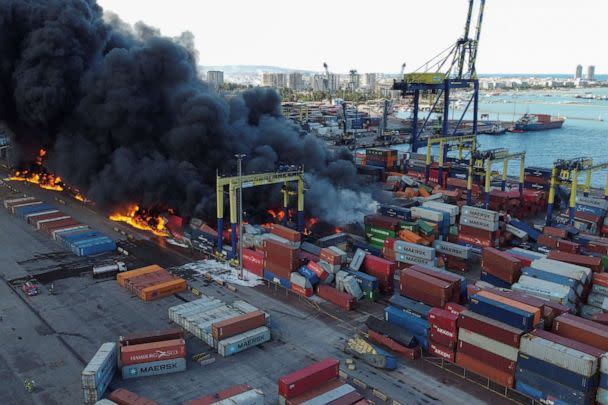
x,y
452,68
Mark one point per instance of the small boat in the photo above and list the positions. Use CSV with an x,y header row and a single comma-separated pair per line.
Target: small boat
x,y
537,122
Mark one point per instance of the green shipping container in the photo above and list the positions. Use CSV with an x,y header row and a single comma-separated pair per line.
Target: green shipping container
x,y
425,229
427,188
410,226
371,295
376,241
380,233
605,262
454,230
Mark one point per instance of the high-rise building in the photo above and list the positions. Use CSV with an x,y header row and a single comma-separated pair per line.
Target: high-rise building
x,y
215,78
318,82
579,72
354,80
590,73
295,81
370,80
276,80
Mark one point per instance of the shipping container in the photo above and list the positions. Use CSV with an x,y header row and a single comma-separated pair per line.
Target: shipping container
x,y
486,356
551,388
243,341
239,324
399,335
452,249
284,232
478,223
503,312
251,397
486,370
413,307
301,381
491,328
486,343
565,269
583,330
414,250
443,319
592,262
98,373
163,289
421,287
149,337
554,278
474,212
154,368
123,397
514,303
556,373
326,397
411,323
219,396
154,351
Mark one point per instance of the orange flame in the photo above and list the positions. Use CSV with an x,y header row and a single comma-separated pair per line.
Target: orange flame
x,y
45,180
139,219
310,222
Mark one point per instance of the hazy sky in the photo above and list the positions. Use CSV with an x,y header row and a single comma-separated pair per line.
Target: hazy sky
x,y
518,36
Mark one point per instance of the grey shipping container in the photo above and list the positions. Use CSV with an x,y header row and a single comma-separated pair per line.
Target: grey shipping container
x,y
154,368
243,341
479,223
452,249
559,355
414,250
480,213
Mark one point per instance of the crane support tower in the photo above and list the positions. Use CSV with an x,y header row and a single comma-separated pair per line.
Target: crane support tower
x,y
566,172
234,183
446,144
482,165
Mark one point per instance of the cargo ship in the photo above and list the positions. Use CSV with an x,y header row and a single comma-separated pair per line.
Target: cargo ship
x,y
537,122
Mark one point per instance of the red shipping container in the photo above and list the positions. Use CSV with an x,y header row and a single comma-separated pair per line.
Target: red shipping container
x,y
253,261
389,243
445,353
331,257
482,368
555,232
478,233
521,297
500,265
123,397
567,246
306,379
318,270
389,254
382,269
407,352
490,328
443,337
155,351
238,324
453,279
419,286
454,308
285,232
443,319
380,221
485,356
304,292
585,216
149,337
48,227
601,318
600,279
320,390
342,299
583,330
219,396
600,247
456,263
474,240
350,399
592,262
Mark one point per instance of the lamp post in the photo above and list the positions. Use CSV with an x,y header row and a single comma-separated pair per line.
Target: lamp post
x,y
239,160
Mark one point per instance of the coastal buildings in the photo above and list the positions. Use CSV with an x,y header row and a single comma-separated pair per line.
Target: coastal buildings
x,y
215,78
579,72
590,73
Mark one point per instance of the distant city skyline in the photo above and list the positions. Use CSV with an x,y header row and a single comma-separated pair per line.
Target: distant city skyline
x,y
518,36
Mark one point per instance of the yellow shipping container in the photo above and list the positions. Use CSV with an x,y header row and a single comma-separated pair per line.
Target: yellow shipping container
x,y
425,78
124,277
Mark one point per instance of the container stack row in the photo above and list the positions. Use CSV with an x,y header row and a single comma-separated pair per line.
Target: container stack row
x,y
72,234
151,282
228,328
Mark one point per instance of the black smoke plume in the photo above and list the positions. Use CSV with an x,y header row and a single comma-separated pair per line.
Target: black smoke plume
x,y
125,117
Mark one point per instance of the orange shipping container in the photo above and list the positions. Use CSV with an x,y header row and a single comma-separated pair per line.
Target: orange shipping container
x,y
162,290
485,370
409,236
155,351
124,277
513,303
423,192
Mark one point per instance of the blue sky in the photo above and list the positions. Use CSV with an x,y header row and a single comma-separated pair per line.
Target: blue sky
x,y
531,36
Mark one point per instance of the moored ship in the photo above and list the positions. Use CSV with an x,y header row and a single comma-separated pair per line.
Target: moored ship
x,y
537,122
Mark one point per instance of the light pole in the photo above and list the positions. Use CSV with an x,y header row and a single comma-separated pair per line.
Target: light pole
x,y
239,160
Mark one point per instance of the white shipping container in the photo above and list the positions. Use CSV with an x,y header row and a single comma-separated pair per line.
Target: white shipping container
x,y
453,210
101,368
602,396
491,345
251,397
16,200
189,322
592,202
105,402
481,213
426,213
598,300
552,296
414,250
548,286
451,249
357,261
528,252
558,355
564,269
246,308
478,223
339,252
299,280
599,289
404,258
352,287
330,395
243,341
518,233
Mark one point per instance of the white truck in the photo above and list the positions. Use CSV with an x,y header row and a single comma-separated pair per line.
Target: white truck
x,y
108,270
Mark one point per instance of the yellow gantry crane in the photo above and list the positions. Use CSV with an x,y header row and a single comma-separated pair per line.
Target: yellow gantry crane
x,y
461,143
482,165
566,172
235,183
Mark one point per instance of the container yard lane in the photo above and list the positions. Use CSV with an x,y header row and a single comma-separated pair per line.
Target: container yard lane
x,y
46,337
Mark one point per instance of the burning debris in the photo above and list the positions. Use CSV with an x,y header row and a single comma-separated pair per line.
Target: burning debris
x,y
142,219
125,118
39,175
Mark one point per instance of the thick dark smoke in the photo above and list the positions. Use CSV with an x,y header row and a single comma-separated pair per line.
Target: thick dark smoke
x,y
125,117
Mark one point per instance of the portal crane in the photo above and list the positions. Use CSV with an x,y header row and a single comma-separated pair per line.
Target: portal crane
x,y
482,165
458,63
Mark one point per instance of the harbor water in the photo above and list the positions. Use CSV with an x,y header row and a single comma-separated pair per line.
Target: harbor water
x,y
585,132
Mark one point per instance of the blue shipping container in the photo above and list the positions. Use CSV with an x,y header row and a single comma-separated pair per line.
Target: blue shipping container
x,y
502,312
604,381
369,248
552,388
367,282
21,212
552,277
72,236
590,210
410,306
529,390
532,233
555,373
276,279
424,341
569,228
97,247
495,281
309,275
390,360
393,211
412,323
